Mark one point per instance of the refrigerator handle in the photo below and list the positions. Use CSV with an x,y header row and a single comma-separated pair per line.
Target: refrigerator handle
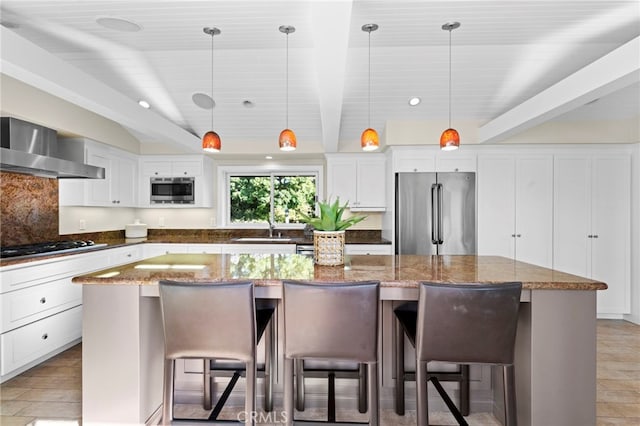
x,y
440,240
433,214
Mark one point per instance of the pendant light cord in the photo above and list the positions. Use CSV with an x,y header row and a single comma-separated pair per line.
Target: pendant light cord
x,y
369,84
212,101
450,78
287,86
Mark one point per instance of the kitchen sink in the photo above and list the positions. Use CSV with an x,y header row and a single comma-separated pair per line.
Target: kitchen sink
x,y
262,239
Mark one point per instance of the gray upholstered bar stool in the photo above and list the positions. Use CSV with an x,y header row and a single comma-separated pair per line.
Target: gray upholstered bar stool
x,y
331,321
208,320
466,324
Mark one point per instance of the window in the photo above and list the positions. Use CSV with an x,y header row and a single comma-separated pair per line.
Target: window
x,y
263,196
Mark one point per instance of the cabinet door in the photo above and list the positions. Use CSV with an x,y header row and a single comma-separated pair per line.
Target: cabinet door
x,y
496,206
534,210
156,168
341,181
124,181
186,168
572,215
414,161
98,191
610,227
371,184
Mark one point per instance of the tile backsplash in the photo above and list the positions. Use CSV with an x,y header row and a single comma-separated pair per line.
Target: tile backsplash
x,y
28,209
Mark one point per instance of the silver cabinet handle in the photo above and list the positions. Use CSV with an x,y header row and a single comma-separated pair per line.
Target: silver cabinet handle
x,y
45,336
589,236
433,214
440,240
518,235
595,236
513,235
128,254
43,300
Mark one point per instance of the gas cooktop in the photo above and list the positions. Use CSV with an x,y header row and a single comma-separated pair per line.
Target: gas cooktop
x,y
41,249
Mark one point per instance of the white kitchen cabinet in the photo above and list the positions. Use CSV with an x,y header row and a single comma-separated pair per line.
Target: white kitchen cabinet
x,y
42,309
199,167
592,223
357,179
515,207
413,160
367,249
153,250
258,248
117,189
205,248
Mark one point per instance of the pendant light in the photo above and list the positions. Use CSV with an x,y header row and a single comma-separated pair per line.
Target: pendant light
x,y
287,139
369,140
450,139
211,141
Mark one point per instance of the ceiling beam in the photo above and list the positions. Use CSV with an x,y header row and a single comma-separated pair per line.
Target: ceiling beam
x,y
29,63
612,72
331,22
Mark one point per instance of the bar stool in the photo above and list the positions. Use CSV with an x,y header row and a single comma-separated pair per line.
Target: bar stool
x,y
208,320
335,322
466,324
265,325
406,317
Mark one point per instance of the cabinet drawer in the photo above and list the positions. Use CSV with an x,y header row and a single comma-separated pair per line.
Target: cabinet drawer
x,y
186,168
121,256
377,249
21,307
26,344
156,168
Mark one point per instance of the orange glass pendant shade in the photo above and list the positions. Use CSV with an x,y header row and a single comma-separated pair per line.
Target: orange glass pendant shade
x,y
449,140
287,140
211,142
369,140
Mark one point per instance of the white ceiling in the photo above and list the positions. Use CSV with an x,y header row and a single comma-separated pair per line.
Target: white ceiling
x,y
504,53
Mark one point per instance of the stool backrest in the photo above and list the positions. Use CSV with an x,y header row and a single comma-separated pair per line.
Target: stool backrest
x,y
208,320
467,323
331,320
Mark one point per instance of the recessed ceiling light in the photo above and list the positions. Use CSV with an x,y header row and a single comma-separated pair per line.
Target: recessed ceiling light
x,y
414,101
118,24
144,104
203,100
248,104
268,157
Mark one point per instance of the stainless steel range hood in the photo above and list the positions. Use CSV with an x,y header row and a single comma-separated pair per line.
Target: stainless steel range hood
x,y
32,149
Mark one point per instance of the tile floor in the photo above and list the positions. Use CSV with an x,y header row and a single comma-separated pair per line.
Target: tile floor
x,y
50,394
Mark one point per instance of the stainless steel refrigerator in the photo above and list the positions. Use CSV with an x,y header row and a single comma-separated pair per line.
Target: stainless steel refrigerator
x,y
435,213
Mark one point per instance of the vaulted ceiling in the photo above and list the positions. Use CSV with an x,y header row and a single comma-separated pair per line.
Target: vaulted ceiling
x,y
504,54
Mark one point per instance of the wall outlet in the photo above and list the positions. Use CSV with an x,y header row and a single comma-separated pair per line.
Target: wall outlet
x,y
82,225
161,222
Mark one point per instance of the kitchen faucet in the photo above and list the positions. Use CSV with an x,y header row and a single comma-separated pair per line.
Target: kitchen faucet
x,y
272,226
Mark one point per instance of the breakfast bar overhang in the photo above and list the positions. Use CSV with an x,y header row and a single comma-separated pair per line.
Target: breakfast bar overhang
x,y
123,339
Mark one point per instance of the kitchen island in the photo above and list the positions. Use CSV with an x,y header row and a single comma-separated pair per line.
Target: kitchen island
x,y
123,343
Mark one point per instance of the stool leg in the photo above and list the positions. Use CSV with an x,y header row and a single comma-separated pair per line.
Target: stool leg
x,y
299,384
167,397
372,373
464,390
422,398
250,392
206,382
362,387
269,360
510,415
288,391
399,367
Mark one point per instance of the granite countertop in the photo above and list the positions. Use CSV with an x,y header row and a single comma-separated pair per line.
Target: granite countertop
x,y
195,237
404,271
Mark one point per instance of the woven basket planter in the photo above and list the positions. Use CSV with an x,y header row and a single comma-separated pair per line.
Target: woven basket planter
x,y
328,247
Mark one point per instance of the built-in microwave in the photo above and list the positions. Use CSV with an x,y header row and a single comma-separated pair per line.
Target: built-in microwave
x,y
172,190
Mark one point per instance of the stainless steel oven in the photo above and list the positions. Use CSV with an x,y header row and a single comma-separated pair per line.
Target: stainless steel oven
x,y
173,190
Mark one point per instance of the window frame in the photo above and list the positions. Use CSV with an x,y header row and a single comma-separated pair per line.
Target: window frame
x,y
226,172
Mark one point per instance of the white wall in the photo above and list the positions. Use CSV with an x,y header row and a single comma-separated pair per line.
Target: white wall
x,y
635,236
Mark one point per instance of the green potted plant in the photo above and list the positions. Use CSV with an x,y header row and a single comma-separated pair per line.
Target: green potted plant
x,y
328,233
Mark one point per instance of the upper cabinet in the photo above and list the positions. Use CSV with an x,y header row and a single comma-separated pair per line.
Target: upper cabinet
x,y
515,207
592,223
199,167
117,189
432,159
358,179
